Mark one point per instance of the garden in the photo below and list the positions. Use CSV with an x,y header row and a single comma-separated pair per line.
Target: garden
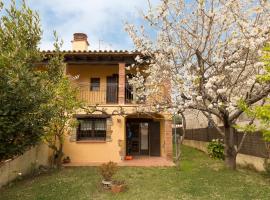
x,y
199,177
212,56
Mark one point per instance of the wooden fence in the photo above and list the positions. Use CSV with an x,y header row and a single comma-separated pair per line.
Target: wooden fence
x,y
253,144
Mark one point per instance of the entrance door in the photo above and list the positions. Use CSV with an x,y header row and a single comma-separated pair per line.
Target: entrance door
x,y
112,89
154,138
144,137
133,138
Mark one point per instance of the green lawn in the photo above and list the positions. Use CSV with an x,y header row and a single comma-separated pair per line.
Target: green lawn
x,y
199,178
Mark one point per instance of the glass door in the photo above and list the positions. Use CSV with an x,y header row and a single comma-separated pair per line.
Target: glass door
x,y
144,140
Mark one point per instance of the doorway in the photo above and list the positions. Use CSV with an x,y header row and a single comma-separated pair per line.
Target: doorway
x,y
112,89
142,137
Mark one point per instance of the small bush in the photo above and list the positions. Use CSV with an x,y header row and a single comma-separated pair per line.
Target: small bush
x,y
267,166
216,149
108,170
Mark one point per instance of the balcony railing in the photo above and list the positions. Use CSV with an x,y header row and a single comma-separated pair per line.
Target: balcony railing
x,y
129,94
108,94
158,94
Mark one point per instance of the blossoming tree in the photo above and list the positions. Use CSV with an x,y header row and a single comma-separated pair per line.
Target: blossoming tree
x,y
209,51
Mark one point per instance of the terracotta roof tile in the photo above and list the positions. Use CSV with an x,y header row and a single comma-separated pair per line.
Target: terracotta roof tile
x,y
94,51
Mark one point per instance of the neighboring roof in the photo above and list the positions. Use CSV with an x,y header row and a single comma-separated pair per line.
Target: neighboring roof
x,y
97,57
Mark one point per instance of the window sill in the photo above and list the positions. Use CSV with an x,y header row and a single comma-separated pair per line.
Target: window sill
x,y
91,141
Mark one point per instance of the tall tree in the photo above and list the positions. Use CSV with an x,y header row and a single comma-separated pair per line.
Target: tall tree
x,y
63,105
210,52
24,92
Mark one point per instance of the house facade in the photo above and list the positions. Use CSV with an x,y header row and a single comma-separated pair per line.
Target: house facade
x,y
111,126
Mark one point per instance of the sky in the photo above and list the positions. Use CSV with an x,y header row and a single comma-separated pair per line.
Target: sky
x,y
102,20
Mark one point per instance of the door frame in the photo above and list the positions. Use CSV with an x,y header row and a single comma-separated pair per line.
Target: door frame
x,y
143,120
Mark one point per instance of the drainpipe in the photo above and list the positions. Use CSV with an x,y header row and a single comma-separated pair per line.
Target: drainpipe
x,y
175,138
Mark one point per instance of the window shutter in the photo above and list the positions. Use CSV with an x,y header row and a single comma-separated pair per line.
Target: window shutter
x,y
109,129
73,135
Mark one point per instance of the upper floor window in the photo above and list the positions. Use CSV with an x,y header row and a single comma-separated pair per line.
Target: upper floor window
x,y
94,84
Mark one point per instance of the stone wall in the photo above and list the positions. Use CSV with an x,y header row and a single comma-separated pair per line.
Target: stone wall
x,y
24,164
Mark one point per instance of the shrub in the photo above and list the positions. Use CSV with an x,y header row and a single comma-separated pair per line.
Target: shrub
x,y
267,166
107,170
216,149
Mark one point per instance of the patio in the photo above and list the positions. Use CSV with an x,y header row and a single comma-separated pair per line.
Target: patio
x,y
138,161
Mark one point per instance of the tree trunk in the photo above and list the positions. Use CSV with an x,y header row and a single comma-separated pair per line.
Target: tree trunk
x,y
230,151
230,159
60,154
180,140
178,155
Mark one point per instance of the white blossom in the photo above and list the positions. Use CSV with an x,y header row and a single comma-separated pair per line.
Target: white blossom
x,y
221,91
210,106
211,57
128,68
199,98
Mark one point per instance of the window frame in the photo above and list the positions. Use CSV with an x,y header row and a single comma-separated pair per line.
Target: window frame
x,y
95,84
84,135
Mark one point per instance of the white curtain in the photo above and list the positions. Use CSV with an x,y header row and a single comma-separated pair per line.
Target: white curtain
x,y
100,125
86,125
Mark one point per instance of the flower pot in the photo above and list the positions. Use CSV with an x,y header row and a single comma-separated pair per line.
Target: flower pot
x,y
128,158
106,184
115,188
66,160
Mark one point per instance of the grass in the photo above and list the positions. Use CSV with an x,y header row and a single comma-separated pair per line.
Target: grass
x,y
199,178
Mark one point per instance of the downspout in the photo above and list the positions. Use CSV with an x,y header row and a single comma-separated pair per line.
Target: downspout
x,y
175,137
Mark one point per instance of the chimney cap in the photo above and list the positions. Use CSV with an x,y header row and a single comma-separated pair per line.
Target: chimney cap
x,y
80,37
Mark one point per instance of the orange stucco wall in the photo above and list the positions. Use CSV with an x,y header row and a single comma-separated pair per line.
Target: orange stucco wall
x,y
85,73
83,152
114,149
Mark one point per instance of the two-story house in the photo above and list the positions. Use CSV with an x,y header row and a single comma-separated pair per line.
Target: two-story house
x,y
114,128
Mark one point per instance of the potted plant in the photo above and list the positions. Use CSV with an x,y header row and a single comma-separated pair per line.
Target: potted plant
x,y
66,160
118,186
107,171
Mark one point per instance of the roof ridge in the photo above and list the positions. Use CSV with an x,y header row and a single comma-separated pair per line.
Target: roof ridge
x,y
92,51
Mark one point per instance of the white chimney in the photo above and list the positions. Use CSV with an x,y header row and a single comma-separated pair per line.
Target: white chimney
x,y
80,42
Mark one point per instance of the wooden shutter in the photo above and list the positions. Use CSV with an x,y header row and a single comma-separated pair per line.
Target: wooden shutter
x,y
154,138
73,135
